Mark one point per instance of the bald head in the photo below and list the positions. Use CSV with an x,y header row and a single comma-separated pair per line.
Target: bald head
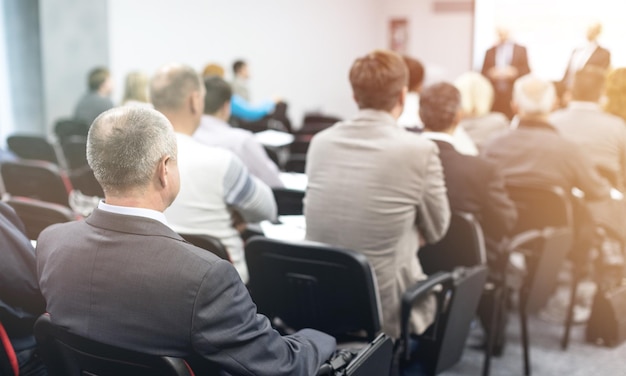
x,y
533,96
125,145
172,85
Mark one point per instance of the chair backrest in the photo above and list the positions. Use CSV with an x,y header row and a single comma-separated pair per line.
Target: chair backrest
x,y
463,245
75,151
442,346
36,179
68,354
209,243
288,201
37,215
65,128
32,147
8,360
313,285
540,206
85,181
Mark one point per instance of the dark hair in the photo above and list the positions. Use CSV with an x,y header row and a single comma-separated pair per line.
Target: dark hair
x,y
97,77
218,92
416,72
378,79
439,105
238,65
588,84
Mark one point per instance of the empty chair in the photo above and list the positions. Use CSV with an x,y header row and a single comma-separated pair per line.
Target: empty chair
x,y
85,181
441,346
37,215
65,128
75,151
307,284
208,243
288,201
36,179
67,354
32,147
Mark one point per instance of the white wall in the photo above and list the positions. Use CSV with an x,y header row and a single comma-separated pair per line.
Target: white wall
x,y
441,40
301,50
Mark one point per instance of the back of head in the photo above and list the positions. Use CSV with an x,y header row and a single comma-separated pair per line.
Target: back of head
x,y
439,106
171,86
378,80
238,65
533,96
136,87
124,146
588,84
477,93
416,73
213,70
97,77
218,93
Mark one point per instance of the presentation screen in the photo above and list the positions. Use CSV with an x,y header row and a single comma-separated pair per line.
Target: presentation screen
x,y
550,30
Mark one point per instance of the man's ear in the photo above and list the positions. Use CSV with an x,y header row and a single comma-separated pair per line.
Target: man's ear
x,y
162,170
196,102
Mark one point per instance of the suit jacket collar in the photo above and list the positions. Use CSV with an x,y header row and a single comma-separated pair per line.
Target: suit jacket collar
x,y
536,124
374,117
130,224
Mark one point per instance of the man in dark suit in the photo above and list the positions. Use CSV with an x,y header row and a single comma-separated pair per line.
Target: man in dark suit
x,y
20,299
591,54
473,185
504,63
124,278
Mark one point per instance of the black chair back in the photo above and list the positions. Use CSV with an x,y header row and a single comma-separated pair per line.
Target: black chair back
x,y
67,354
36,179
540,206
85,181
208,243
66,128
37,215
463,245
313,285
32,147
289,201
75,151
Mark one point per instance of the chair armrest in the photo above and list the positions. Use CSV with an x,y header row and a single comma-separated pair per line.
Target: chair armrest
x,y
410,296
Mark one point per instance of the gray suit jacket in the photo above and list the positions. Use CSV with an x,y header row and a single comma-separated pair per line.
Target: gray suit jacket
x,y
134,283
375,188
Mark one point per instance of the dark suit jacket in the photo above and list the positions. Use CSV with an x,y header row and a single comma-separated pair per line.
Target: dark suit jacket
x,y
20,300
132,282
475,185
601,58
504,89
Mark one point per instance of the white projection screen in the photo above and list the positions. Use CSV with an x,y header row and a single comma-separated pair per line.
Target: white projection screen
x,y
550,29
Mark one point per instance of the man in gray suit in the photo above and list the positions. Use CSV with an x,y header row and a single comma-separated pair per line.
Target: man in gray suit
x,y
378,189
124,278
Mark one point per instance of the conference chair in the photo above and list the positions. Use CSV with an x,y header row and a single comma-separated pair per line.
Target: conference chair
x,y
36,215
288,201
313,285
540,207
75,151
36,179
32,147
442,345
208,243
68,354
66,128
464,245
8,359
84,180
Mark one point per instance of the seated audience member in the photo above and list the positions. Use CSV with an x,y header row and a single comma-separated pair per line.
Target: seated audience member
x,y
21,301
124,278
474,185
215,182
136,90
601,137
97,99
215,131
377,189
477,97
616,93
536,153
410,114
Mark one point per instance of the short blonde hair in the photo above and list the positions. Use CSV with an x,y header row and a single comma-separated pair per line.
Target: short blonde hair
x,y
136,87
213,70
477,93
534,96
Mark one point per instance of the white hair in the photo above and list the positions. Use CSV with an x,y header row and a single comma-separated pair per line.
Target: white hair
x,y
476,93
534,96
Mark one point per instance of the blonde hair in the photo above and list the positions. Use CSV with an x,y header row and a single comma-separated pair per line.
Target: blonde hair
x,y
213,70
616,93
136,87
477,93
534,96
